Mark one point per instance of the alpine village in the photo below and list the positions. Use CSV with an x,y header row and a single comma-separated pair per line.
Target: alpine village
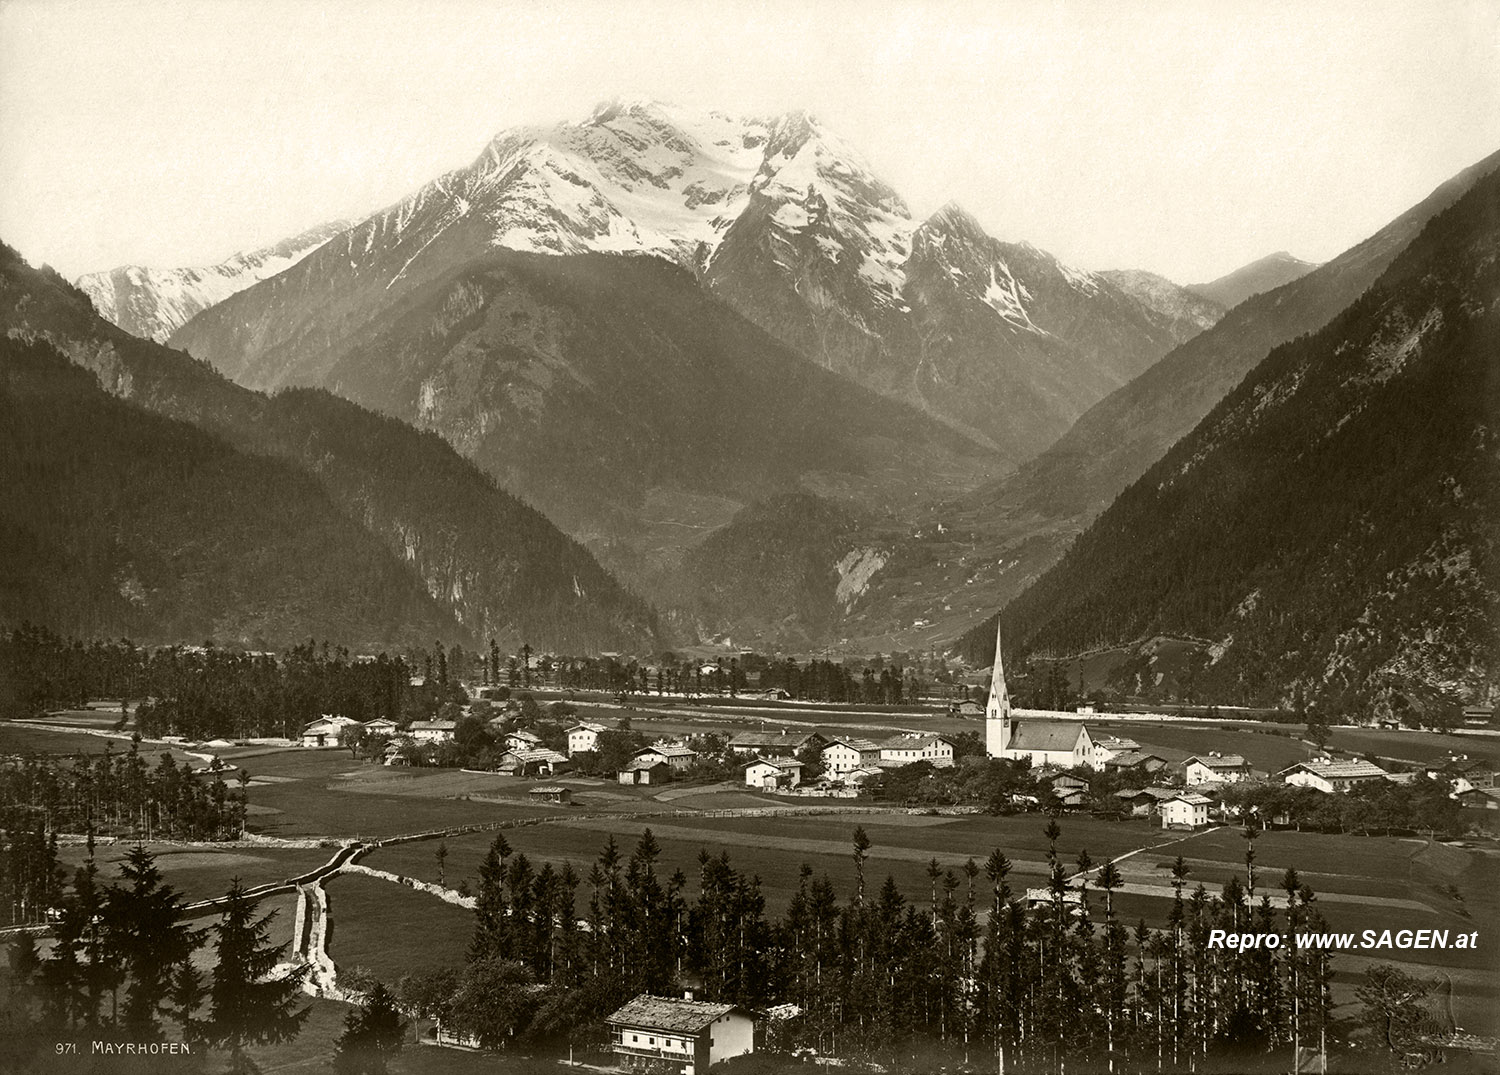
x,y
647,601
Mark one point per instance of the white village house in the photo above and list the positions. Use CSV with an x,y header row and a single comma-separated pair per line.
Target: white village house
x,y
905,749
522,740
1188,810
773,773
846,754
583,737
327,731
677,755
1109,747
685,1036
1215,768
432,731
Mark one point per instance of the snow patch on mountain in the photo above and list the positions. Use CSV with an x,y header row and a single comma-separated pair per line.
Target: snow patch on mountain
x,y
154,303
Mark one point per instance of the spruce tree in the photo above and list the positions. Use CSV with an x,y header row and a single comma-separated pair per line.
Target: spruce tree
x,y
247,1005
148,938
372,1035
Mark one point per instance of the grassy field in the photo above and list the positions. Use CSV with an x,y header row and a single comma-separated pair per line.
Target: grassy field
x,y
203,873
389,929
327,793
1413,746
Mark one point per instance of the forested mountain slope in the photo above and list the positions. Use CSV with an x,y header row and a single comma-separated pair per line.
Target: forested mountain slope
x,y
987,547
492,563
1333,523
117,521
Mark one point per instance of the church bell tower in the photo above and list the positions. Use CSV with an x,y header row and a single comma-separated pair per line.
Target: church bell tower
x,y
997,711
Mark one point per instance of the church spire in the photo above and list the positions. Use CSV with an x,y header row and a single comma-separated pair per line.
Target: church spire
x,y
997,711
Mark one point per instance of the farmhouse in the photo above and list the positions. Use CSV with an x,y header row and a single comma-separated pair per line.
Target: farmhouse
x,y
380,726
845,754
905,749
1188,810
550,793
522,740
327,731
1466,774
1111,746
1144,800
542,761
773,773
583,737
686,1036
648,768
966,708
1215,768
1135,759
771,745
432,731
677,755
1479,798
1331,776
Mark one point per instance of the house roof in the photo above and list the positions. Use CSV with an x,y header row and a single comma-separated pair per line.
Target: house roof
x,y
586,726
914,742
433,725
1129,759
668,1013
779,763
547,789
1190,798
1115,742
647,761
1217,761
526,737
852,743
1054,735
1338,770
525,757
670,750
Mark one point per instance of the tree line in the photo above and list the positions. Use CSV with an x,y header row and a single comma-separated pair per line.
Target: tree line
x,y
1038,981
107,794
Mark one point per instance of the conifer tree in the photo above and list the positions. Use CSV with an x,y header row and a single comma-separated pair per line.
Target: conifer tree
x,y
247,1005
373,1033
148,938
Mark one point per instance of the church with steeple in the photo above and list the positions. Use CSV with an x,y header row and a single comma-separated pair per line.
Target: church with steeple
x,y
1066,744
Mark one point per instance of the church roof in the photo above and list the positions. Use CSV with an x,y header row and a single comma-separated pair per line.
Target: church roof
x,y
1045,735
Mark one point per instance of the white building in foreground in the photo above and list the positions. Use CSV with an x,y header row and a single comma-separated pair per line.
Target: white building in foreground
x,y
684,1036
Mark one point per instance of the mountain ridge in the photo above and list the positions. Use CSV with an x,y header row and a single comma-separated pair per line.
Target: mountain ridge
x,y
489,560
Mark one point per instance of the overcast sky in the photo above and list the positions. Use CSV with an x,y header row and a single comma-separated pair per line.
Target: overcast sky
x,y
1185,137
